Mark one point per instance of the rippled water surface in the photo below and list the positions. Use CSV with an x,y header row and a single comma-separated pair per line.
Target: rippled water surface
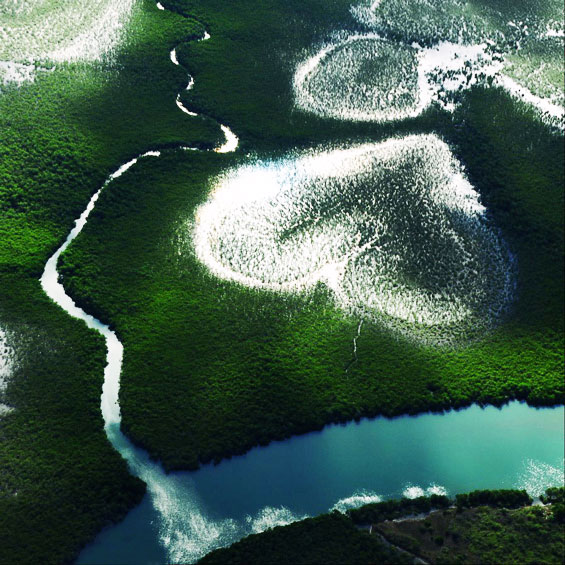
x,y
342,466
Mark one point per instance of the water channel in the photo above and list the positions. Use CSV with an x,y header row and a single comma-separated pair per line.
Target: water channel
x,y
185,515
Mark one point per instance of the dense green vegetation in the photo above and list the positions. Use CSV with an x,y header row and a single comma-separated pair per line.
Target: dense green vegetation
x,y
392,509
211,368
494,498
330,538
492,532
60,480
484,534
556,497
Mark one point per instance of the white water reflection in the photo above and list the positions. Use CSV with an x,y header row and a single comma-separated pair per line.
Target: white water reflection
x,y
414,491
187,514
184,531
187,529
231,143
55,290
231,140
536,475
270,517
356,500
394,229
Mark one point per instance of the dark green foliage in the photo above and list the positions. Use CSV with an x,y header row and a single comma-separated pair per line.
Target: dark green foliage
x,y
558,512
488,534
211,368
484,534
328,539
553,495
494,498
556,497
391,509
60,480
245,71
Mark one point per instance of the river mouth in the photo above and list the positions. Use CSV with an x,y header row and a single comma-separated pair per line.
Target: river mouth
x,y
186,515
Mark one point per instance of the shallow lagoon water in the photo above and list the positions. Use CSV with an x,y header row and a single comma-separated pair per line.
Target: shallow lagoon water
x,y
514,447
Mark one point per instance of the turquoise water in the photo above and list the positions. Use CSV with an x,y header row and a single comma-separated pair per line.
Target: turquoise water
x,y
189,514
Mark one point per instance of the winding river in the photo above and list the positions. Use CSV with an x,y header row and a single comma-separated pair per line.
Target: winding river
x,y
54,289
186,515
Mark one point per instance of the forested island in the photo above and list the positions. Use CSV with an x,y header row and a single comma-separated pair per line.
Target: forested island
x,y
479,527
287,374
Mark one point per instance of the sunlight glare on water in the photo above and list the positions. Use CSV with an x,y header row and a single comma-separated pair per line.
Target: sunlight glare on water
x,y
50,31
185,515
394,229
356,500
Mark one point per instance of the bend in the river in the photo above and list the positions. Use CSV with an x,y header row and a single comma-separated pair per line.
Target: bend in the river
x,y
109,405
